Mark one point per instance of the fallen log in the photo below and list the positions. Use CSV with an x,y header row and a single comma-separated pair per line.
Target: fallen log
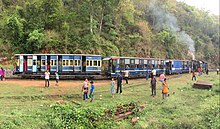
x,y
75,102
125,115
122,116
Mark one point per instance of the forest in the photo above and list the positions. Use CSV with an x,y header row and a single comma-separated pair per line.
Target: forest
x,y
144,28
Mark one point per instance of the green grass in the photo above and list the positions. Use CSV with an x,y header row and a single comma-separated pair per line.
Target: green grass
x,y
186,108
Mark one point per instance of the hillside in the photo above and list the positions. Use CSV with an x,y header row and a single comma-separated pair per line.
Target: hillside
x,y
144,28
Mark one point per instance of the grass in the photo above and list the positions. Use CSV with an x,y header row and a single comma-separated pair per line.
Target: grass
x,y
184,108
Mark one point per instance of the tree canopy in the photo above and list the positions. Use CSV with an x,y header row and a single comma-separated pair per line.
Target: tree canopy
x,y
144,28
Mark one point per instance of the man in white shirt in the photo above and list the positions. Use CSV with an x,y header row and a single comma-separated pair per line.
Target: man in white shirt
x,y
47,77
154,72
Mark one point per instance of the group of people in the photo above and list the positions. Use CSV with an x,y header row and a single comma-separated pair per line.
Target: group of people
x,y
47,78
85,90
2,74
164,85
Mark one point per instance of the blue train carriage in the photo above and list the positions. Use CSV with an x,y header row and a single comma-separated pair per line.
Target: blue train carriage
x,y
63,63
203,65
158,65
186,64
174,66
137,67
93,64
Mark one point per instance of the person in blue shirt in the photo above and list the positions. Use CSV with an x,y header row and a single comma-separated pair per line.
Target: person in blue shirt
x,y
91,94
57,78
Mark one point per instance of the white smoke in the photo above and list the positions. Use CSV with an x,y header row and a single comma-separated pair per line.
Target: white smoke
x,y
163,19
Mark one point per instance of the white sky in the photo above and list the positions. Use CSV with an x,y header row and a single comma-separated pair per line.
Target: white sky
x,y
211,5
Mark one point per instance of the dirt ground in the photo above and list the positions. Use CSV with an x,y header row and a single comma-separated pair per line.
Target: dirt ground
x,y
40,83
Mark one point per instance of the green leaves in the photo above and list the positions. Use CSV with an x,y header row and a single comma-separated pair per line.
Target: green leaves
x,y
34,41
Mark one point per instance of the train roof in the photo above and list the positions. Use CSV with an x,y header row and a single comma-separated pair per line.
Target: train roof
x,y
117,57
56,54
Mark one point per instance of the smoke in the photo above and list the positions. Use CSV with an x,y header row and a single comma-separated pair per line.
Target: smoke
x,y
163,19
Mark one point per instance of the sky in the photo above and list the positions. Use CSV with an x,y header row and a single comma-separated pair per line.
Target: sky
x,y
211,5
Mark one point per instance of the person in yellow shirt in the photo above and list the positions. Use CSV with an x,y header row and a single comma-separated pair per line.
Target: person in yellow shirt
x,y
165,88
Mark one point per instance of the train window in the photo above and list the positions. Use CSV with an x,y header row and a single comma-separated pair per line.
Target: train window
x,y
34,62
55,62
51,62
122,63
91,62
43,62
71,62
87,63
95,63
29,62
148,63
76,62
132,63
99,63
64,62
17,62
141,64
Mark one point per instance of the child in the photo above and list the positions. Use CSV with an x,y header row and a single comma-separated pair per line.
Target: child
x,y
91,91
57,78
165,88
193,75
85,89
112,88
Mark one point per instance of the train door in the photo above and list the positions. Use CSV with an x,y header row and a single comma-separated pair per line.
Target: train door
x,y
34,64
48,63
29,63
43,63
53,63
21,63
38,63
84,63
168,67
25,64
114,65
60,64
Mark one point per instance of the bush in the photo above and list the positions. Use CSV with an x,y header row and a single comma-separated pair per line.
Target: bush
x,y
68,116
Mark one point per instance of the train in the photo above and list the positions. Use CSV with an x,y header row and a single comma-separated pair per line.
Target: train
x,y
96,66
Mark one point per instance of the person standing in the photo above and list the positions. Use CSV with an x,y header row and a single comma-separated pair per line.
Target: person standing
x,y
162,77
154,73
57,78
91,94
85,89
119,83
1,74
47,78
207,71
165,89
147,75
193,75
217,70
153,86
112,88
126,76
199,71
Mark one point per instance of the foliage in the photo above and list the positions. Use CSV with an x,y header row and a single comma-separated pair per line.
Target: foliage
x,y
144,28
69,117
